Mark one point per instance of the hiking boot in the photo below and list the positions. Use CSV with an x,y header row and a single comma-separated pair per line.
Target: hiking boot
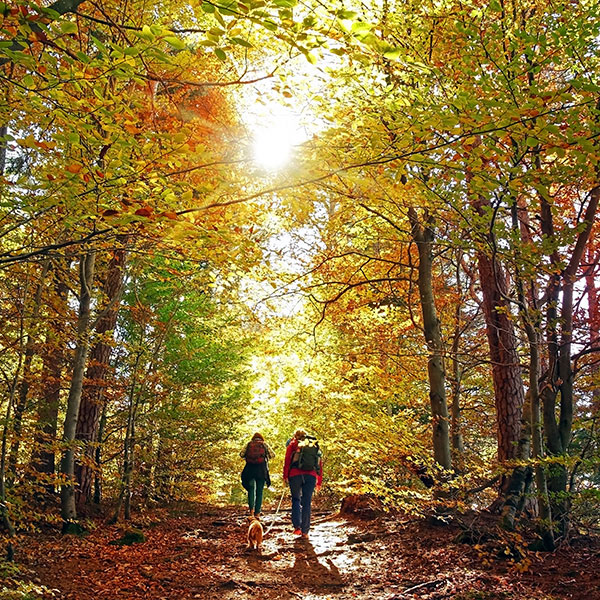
x,y
305,536
257,515
297,532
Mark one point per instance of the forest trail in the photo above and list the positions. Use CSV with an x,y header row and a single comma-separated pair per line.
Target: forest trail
x,y
200,553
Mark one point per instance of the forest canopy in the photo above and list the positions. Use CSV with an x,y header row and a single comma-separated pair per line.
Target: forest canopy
x,y
375,220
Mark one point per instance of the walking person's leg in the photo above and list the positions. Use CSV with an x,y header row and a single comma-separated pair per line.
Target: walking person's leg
x,y
296,492
308,487
251,494
260,486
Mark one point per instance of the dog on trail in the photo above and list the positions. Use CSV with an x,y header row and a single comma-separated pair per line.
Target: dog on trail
x,y
255,534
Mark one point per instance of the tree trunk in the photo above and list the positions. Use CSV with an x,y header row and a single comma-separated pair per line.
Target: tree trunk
x,y
92,398
125,492
53,359
455,421
531,319
5,517
594,321
509,394
98,458
423,236
560,373
86,278
26,377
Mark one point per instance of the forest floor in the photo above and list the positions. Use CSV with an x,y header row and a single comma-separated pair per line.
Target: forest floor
x,y
200,552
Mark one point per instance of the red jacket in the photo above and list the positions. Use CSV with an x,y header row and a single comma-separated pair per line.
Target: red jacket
x,y
289,471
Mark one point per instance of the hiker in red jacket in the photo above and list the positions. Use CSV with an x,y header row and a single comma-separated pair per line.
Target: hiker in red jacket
x,y
256,471
303,468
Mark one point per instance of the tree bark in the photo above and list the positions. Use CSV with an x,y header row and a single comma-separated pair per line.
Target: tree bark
x,y
560,373
455,420
30,350
53,359
594,319
92,398
128,446
86,278
509,394
423,236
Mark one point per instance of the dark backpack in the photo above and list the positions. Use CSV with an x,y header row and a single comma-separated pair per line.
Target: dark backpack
x,y
255,452
307,455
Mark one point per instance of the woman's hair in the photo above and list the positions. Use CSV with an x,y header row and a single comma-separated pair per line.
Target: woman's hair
x,y
258,436
300,434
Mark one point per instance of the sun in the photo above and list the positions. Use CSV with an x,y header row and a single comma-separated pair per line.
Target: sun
x,y
276,132
272,146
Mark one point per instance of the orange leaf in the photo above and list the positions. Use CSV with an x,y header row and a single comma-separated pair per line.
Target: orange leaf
x,y
146,211
74,168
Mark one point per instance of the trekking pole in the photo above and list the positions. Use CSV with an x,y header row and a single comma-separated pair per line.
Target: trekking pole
x,y
276,512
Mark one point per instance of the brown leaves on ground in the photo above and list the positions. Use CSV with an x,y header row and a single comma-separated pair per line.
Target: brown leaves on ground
x,y
201,553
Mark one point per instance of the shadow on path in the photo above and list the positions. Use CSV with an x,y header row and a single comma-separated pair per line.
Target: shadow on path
x,y
309,572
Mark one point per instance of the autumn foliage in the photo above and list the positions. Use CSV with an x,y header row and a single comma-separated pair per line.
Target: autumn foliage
x,y
419,287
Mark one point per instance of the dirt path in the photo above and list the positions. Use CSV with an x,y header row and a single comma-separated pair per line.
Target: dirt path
x,y
202,555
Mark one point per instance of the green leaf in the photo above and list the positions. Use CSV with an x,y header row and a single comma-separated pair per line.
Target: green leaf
x,y
220,54
531,142
228,10
175,42
83,57
67,27
311,58
360,28
208,8
99,44
241,42
220,19
393,53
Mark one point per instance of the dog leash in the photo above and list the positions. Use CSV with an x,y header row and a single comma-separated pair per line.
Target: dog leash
x,y
276,512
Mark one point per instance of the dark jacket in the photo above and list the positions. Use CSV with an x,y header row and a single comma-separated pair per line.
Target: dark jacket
x,y
257,470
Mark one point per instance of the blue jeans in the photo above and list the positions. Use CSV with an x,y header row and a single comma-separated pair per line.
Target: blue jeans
x,y
255,494
302,488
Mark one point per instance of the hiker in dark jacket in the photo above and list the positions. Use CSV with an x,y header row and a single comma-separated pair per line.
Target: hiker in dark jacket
x,y
256,471
302,482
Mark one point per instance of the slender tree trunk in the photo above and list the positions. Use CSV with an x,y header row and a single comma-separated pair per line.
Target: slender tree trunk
x,y
423,236
6,520
129,470
86,277
594,321
92,399
560,373
98,457
455,421
30,350
53,360
531,319
128,449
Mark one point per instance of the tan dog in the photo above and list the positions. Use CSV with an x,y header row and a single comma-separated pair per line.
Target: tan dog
x,y
255,534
